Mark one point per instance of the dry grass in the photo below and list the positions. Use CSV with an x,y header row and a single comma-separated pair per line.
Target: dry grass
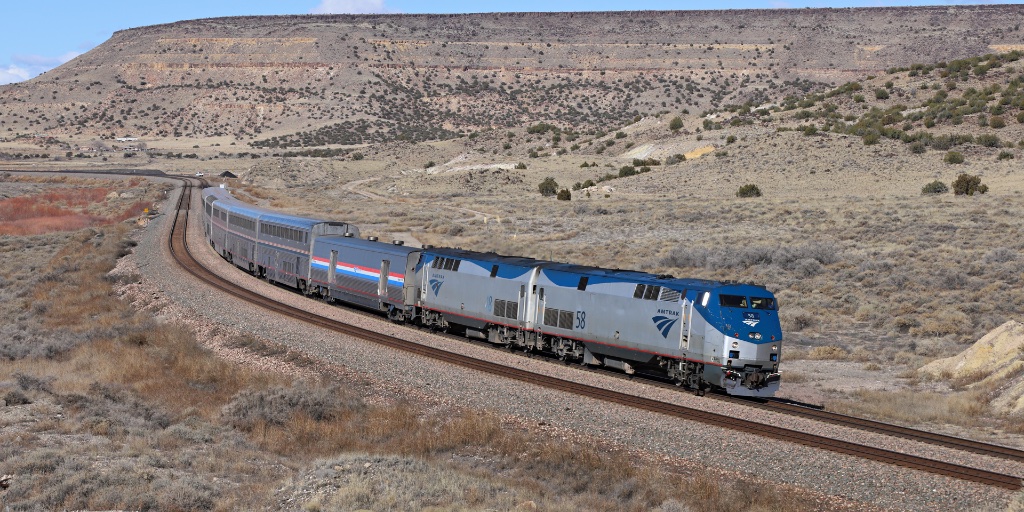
x,y
916,407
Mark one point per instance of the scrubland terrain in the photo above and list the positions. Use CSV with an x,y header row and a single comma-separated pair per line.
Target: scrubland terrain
x,y
441,131
108,406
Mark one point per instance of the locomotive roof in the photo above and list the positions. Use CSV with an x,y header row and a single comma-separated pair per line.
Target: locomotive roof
x,y
630,275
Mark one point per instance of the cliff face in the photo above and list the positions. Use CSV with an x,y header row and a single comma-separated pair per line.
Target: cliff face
x,y
352,79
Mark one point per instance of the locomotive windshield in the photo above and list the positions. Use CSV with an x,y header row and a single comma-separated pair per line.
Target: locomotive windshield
x,y
733,301
762,303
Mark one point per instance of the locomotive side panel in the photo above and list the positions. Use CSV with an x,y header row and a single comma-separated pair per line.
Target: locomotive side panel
x,y
475,292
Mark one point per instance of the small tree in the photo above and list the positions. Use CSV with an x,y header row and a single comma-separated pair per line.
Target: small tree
x,y
953,157
935,187
548,187
564,195
675,124
749,190
967,185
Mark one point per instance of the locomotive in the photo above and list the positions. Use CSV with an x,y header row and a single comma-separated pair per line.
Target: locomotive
x,y
698,333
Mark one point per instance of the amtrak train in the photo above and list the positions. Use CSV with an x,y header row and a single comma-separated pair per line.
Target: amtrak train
x,y
698,333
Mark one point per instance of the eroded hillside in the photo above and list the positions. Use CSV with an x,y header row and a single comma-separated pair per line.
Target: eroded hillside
x,y
311,81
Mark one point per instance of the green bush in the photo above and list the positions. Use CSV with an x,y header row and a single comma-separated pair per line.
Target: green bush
x,y
429,164
881,94
730,139
1005,155
548,187
620,135
564,195
871,138
967,185
858,98
997,122
953,157
676,124
917,147
675,159
935,187
988,140
749,190
627,170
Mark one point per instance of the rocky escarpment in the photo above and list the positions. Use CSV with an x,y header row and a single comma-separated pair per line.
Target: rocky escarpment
x,y
319,80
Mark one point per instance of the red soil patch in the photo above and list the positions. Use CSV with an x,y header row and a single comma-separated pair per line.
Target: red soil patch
x,y
59,210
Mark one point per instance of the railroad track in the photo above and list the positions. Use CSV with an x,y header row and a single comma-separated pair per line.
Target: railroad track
x,y
180,252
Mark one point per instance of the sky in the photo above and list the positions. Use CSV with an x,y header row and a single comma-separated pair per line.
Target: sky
x,y
36,36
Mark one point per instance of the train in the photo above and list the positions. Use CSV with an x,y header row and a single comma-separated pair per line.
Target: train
x,y
697,333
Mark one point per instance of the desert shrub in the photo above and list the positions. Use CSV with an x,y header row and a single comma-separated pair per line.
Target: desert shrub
x,y
16,397
749,190
675,124
828,352
548,187
564,195
917,147
988,140
795,320
1000,255
881,94
520,165
935,187
620,135
1005,155
871,138
278,405
968,184
357,156
588,183
858,98
627,170
429,164
730,139
997,122
953,157
675,159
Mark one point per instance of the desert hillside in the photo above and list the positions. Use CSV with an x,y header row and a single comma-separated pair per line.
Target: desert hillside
x,y
313,81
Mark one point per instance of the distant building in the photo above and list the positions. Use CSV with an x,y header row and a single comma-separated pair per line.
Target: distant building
x,y
228,174
127,139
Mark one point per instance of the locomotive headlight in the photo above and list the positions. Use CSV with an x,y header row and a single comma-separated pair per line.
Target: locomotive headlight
x,y
735,344
755,335
775,347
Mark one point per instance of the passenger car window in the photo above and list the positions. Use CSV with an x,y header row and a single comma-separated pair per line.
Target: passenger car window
x,y
733,301
762,303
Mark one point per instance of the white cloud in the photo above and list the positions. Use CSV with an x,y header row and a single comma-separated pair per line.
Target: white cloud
x,y
24,67
351,7
12,74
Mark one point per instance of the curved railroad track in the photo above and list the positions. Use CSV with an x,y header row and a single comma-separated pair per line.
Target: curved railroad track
x,y
180,252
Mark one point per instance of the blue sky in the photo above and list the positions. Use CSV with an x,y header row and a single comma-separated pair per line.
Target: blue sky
x,y
40,35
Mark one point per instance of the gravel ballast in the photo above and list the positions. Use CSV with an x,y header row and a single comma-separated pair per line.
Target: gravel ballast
x,y
178,296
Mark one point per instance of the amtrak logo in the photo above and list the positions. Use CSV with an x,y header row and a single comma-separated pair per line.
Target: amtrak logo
x,y
751,318
435,285
664,324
